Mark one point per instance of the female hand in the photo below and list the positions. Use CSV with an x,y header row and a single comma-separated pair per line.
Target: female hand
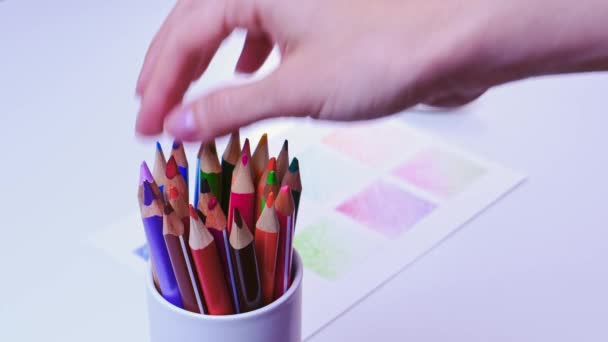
x,y
358,59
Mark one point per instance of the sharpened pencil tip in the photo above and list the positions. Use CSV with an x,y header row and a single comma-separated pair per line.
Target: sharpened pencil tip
x,y
238,220
192,212
201,216
204,187
172,169
246,147
294,166
272,164
212,203
270,200
285,145
272,178
148,193
176,144
173,193
145,174
284,189
263,139
159,148
245,159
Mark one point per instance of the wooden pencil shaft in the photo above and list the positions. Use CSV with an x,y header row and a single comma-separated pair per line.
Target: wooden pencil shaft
x,y
182,275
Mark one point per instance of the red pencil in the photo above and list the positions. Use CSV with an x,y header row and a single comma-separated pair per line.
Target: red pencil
x,y
242,194
266,247
285,214
217,226
208,267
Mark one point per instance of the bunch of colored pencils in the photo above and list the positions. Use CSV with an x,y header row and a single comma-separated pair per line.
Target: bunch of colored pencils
x,y
231,251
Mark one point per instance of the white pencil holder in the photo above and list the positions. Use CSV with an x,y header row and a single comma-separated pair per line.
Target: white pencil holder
x,y
280,321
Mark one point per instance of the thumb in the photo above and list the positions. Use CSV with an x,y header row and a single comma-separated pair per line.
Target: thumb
x,y
282,93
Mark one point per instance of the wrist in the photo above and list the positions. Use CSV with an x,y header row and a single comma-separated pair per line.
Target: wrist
x,y
526,39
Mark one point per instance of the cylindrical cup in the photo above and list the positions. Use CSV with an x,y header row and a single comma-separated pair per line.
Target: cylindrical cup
x,y
280,321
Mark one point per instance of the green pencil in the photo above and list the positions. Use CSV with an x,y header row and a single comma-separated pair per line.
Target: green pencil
x,y
293,181
229,159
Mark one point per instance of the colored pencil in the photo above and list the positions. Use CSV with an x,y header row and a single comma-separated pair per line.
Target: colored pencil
x,y
259,158
283,161
270,166
183,267
151,208
160,165
216,224
285,214
209,267
229,160
294,182
210,169
245,265
176,193
271,186
242,194
266,247
179,153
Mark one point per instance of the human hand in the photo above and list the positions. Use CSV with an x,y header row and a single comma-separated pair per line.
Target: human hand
x,y
356,59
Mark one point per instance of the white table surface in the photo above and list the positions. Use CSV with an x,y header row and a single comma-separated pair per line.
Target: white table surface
x,y
531,268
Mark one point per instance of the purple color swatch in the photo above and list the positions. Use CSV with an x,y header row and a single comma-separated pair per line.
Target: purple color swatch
x,y
386,209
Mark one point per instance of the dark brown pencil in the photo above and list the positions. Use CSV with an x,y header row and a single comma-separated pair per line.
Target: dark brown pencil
x,y
245,265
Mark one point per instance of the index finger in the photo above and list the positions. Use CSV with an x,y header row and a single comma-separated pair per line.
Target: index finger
x,y
194,40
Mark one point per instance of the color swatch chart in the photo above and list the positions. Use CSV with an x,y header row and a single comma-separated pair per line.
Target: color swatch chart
x,y
378,195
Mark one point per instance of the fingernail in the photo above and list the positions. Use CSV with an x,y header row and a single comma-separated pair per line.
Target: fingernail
x,y
182,124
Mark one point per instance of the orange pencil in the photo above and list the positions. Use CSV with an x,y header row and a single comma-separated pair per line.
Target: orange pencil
x,y
285,215
266,247
216,224
208,267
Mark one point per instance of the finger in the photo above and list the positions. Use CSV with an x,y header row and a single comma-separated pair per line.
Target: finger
x,y
285,92
256,50
195,41
155,47
451,100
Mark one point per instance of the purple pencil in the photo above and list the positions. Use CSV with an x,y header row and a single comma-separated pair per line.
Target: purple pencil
x,y
152,217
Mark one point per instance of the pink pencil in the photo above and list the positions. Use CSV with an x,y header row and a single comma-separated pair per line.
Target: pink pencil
x,y
242,194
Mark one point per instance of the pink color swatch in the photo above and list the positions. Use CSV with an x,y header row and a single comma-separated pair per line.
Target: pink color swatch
x,y
386,209
372,144
439,172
